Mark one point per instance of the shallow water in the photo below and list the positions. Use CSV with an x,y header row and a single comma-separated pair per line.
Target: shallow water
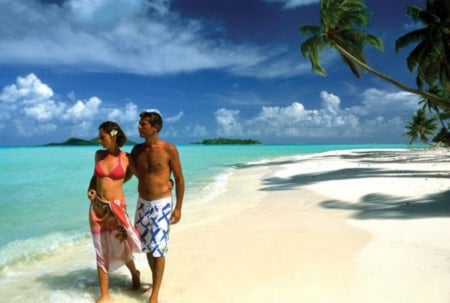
x,y
46,252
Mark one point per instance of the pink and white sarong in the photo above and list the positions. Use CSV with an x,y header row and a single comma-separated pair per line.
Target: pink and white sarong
x,y
114,236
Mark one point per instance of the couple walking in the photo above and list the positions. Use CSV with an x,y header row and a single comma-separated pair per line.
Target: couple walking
x,y
115,237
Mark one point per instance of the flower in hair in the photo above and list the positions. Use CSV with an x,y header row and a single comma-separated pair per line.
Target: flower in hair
x,y
113,132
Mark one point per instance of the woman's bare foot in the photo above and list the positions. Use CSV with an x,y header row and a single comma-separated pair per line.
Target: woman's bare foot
x,y
104,299
136,280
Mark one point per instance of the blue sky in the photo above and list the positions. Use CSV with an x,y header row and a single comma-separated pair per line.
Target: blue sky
x,y
213,68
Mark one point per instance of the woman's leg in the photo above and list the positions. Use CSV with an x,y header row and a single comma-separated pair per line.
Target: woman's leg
x,y
135,275
103,283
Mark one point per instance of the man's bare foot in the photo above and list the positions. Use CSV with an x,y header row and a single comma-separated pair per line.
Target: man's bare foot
x,y
136,280
104,299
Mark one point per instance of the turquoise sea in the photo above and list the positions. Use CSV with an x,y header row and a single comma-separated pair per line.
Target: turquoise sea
x,y
46,253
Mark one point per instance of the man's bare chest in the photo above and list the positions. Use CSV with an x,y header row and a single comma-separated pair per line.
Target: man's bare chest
x,y
152,160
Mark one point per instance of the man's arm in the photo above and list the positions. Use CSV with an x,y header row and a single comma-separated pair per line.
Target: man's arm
x,y
92,189
131,169
93,182
176,169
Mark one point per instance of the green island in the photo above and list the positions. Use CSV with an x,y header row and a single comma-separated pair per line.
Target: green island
x,y
223,141
215,141
81,142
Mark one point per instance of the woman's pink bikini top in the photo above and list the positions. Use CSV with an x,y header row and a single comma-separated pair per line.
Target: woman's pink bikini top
x,y
116,173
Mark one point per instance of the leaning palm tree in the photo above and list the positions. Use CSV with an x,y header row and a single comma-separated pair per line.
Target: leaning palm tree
x,y
338,22
338,19
421,126
431,55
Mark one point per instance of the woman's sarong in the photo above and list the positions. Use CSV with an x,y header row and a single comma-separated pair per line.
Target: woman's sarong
x,y
115,238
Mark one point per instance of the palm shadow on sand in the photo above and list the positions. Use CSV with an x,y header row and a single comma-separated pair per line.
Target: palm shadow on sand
x,y
375,205
379,206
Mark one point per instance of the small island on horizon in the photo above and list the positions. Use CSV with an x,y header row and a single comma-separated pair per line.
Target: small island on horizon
x,y
225,141
214,141
81,142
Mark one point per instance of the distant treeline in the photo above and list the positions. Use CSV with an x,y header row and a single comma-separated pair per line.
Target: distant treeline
x,y
78,141
218,141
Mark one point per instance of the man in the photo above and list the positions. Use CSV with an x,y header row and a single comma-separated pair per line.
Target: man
x,y
155,161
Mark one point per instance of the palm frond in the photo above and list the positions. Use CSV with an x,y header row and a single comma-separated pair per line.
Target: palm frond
x,y
410,38
312,48
310,30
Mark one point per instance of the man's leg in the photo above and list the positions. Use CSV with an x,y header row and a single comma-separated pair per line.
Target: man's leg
x,y
157,265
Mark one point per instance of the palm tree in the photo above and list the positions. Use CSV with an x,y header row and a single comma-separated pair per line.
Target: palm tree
x,y
443,136
337,21
421,126
431,56
442,114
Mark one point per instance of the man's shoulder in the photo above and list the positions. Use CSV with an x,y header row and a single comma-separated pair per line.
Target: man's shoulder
x,y
100,152
167,144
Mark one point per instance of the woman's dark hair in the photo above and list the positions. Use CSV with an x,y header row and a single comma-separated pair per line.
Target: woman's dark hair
x,y
114,129
154,118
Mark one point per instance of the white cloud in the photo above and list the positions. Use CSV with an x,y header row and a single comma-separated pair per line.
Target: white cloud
x,y
27,89
330,102
31,98
175,118
126,115
288,4
195,131
30,102
130,36
278,65
381,115
227,121
44,111
385,103
83,109
26,131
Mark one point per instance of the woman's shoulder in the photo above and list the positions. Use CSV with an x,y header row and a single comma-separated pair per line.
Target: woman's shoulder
x,y
124,154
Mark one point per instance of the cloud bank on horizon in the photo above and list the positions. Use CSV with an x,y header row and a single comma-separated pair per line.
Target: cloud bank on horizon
x,y
151,39
31,108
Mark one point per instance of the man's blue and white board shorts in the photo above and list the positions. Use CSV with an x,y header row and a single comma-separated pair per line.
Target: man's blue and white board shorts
x,y
152,220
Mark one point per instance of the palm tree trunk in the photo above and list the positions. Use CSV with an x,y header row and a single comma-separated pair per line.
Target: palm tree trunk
x,y
429,96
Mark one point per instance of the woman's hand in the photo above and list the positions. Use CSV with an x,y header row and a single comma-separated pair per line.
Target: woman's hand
x,y
92,194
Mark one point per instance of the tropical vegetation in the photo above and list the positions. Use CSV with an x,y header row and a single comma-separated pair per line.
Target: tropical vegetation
x,y
219,141
341,28
421,126
78,141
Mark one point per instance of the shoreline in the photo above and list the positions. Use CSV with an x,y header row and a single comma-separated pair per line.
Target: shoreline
x,y
362,225
340,226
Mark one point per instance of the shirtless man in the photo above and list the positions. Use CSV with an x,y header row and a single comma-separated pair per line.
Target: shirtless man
x,y
156,160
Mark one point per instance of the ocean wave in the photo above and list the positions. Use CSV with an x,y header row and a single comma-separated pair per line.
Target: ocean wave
x,y
32,249
211,187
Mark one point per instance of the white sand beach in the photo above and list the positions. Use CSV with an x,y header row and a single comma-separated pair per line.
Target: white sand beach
x,y
341,226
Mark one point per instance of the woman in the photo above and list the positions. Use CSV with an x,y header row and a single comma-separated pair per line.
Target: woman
x,y
115,238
